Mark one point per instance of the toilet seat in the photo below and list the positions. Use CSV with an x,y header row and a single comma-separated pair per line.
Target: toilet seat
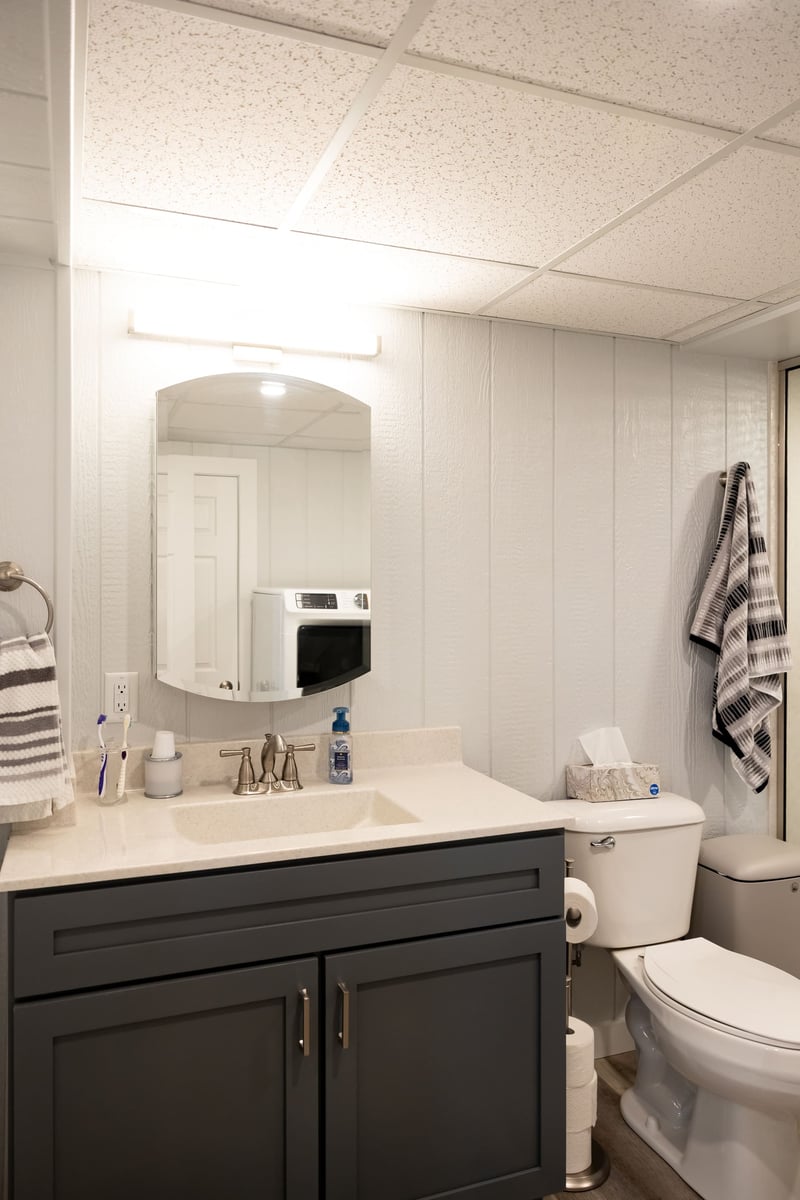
x,y
727,991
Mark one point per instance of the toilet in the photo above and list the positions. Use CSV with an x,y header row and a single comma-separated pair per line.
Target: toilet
x,y
717,1089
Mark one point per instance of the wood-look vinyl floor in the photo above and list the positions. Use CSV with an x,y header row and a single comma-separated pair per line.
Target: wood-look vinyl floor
x,y
637,1172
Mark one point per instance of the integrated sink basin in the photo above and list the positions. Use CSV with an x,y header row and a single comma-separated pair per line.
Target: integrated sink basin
x,y
288,814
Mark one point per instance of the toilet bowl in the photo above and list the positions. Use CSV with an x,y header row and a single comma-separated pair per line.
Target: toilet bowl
x,y
720,1103
717,1090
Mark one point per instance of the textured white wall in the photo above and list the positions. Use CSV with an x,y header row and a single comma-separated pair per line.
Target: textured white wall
x,y
544,507
27,439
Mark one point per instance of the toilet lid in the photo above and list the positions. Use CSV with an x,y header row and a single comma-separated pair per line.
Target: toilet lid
x,y
749,998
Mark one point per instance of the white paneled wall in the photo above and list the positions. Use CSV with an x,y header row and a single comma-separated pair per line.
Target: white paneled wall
x,y
27,439
544,506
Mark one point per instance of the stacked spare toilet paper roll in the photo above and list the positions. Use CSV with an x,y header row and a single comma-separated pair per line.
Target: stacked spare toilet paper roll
x,y
580,913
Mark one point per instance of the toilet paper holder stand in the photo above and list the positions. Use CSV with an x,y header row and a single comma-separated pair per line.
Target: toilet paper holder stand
x,y
597,1172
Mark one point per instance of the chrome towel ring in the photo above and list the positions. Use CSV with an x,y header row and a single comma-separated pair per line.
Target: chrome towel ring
x,y
12,575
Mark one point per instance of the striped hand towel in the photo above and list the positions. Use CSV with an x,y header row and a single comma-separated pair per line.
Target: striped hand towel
x,y
739,617
34,776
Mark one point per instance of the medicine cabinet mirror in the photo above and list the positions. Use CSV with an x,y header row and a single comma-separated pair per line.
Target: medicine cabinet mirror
x,y
262,529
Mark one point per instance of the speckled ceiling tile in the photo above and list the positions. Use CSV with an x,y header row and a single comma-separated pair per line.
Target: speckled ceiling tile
x,y
369,21
566,300
197,116
731,231
460,167
727,64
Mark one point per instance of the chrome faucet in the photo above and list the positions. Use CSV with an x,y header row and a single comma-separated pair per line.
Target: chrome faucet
x,y
290,780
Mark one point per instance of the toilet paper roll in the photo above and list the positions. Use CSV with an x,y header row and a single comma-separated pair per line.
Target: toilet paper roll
x,y
580,910
582,1105
580,1053
579,1151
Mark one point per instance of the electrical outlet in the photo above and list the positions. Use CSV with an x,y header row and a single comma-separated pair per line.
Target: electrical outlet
x,y
121,695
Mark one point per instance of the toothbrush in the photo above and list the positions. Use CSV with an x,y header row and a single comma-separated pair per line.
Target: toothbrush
x,y
101,782
123,754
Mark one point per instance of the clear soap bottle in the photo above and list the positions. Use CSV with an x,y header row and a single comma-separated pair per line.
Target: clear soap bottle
x,y
340,751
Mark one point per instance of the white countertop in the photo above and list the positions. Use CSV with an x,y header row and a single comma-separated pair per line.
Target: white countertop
x,y
445,801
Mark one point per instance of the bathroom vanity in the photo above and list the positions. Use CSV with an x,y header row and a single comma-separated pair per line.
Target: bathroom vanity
x,y
380,1024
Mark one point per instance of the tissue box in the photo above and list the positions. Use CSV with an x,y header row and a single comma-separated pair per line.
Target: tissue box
x,y
612,781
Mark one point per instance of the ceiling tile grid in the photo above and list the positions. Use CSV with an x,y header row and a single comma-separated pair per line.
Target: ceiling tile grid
x,y
732,230
723,63
369,21
687,332
199,116
557,298
459,167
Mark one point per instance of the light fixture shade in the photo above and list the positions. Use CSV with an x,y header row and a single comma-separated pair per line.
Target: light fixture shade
x,y
254,339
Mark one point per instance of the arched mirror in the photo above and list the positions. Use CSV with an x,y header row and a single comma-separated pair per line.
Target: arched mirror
x,y
262,537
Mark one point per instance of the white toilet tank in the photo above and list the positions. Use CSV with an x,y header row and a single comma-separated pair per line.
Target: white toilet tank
x,y
639,857
747,898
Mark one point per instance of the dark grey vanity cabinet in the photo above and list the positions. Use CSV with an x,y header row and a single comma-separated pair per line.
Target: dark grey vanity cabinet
x,y
377,1027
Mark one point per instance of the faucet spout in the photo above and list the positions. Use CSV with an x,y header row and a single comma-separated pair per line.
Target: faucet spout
x,y
273,744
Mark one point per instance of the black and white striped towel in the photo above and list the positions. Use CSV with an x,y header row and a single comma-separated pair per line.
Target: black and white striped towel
x,y
739,617
34,776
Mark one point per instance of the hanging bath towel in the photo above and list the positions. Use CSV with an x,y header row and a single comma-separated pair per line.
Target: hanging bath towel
x,y
739,618
34,776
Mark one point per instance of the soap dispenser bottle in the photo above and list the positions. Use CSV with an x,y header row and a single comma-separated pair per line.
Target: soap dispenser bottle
x,y
340,751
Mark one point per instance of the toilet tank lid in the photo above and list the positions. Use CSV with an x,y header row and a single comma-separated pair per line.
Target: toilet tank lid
x,y
750,857
620,816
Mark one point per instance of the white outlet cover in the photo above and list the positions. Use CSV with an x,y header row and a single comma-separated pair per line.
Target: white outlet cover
x,y
131,679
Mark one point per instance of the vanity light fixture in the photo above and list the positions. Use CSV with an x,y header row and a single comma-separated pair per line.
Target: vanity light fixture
x,y
257,354
325,338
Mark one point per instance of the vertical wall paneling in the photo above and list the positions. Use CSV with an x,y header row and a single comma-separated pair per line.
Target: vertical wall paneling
x,y
642,549
62,517
583,576
129,379
27,450
457,460
521,696
746,437
698,440
542,521
87,503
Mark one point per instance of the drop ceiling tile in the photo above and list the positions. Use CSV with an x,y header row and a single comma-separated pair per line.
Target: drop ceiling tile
x,y
117,237
719,320
25,193
726,64
731,231
198,116
462,167
30,239
364,273
609,307
369,21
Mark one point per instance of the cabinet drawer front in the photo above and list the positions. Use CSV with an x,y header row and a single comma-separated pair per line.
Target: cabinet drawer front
x,y
84,937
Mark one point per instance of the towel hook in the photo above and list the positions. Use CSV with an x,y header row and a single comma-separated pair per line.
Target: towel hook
x,y
12,575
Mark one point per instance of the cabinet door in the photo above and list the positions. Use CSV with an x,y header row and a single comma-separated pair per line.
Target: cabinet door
x,y
187,1089
445,1067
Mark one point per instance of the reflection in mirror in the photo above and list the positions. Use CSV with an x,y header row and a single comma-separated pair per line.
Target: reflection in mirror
x,y
262,544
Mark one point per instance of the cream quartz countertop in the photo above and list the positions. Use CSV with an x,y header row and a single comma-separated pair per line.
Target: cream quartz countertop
x,y
141,837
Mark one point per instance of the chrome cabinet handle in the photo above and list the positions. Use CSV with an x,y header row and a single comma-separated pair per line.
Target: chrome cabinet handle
x,y
344,1030
305,1040
606,843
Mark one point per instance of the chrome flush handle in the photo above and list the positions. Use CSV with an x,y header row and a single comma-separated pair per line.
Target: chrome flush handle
x,y
605,843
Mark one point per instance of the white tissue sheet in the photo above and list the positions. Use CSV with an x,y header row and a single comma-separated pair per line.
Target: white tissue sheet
x,y
605,746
